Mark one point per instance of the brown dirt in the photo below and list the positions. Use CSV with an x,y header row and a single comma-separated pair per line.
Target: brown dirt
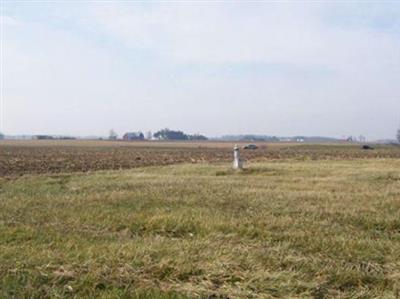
x,y
36,157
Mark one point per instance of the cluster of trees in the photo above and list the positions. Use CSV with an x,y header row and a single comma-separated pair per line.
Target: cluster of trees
x,y
167,134
164,134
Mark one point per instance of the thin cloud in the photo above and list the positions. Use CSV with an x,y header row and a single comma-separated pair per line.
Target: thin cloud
x,y
285,69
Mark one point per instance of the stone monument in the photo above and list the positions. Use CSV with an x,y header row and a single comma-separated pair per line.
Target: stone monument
x,y
237,162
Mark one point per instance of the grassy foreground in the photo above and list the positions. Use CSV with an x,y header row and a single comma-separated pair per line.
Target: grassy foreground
x,y
290,229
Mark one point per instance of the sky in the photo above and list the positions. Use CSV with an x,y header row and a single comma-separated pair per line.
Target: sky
x,y
327,68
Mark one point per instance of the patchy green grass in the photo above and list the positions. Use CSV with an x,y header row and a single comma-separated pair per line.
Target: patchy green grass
x,y
288,229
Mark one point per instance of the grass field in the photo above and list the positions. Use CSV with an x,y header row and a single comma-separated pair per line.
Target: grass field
x,y
295,227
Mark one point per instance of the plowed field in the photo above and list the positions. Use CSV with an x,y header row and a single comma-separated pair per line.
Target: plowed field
x,y
36,157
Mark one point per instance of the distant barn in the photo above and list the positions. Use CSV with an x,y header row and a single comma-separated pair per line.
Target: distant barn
x,y
133,136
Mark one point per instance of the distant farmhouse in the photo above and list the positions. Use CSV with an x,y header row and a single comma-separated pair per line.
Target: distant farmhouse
x,y
133,136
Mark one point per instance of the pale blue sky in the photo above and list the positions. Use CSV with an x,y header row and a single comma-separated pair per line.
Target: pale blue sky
x,y
279,68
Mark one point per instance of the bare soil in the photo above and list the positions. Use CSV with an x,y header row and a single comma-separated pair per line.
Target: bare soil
x,y
39,157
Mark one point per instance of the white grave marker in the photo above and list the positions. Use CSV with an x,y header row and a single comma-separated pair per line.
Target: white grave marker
x,y
237,162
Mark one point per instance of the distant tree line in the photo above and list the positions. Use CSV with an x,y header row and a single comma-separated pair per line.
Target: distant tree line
x,y
164,134
51,137
248,137
167,134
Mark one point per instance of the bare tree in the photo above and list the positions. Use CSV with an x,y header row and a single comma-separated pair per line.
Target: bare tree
x,y
398,135
149,135
113,135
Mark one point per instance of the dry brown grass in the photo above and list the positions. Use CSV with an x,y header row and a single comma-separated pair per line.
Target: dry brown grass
x,y
282,228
